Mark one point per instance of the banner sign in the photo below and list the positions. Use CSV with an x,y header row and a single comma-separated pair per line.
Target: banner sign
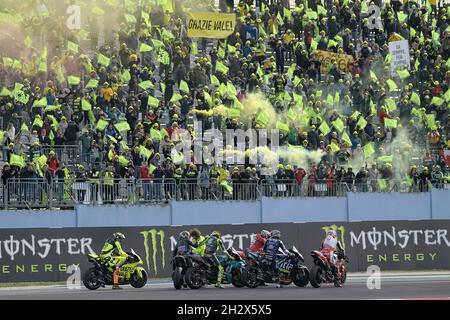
x,y
210,25
342,60
40,255
399,51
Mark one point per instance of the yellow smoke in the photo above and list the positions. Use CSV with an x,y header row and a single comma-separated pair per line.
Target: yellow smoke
x,y
254,104
300,157
404,151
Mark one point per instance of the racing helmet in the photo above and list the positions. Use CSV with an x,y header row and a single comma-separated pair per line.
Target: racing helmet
x,y
195,233
215,234
184,235
275,234
332,233
118,236
265,233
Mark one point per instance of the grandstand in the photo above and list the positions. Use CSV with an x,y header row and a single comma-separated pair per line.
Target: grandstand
x,y
96,114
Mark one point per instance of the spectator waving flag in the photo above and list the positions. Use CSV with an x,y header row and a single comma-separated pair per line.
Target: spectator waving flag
x,y
103,60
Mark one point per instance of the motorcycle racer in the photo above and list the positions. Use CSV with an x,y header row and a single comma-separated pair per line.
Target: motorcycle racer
x,y
260,239
184,246
334,251
271,249
113,247
257,245
213,243
197,238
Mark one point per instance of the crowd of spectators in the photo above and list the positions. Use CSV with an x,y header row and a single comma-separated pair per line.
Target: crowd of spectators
x,y
120,89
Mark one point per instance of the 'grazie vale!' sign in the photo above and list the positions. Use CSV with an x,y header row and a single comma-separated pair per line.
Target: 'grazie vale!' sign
x,y
210,25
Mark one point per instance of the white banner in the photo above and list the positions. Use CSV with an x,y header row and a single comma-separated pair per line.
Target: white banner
x,y
399,50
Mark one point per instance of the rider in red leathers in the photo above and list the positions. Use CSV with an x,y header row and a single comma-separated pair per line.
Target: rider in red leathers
x,y
260,239
333,250
257,246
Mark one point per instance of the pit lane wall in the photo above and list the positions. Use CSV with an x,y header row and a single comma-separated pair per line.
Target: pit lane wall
x,y
46,254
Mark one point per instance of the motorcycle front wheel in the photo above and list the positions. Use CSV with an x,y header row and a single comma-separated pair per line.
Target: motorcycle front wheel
x,y
138,282
178,278
90,279
344,276
237,280
193,278
300,277
315,276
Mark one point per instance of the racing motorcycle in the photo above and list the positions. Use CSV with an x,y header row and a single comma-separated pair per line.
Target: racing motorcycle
x,y
322,271
181,264
202,273
101,274
291,269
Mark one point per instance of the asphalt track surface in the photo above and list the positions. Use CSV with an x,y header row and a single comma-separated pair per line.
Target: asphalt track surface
x,y
395,286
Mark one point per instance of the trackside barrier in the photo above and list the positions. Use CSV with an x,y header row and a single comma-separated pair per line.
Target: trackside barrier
x,y
279,188
32,252
66,193
26,193
68,154
114,191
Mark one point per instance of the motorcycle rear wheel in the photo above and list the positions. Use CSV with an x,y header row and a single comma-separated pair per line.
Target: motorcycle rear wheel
x,y
315,276
138,282
250,277
193,278
90,279
178,278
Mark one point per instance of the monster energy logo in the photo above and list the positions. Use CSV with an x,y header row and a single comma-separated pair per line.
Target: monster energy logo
x,y
153,233
339,235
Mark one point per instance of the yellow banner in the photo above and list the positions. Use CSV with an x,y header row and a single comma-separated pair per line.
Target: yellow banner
x,y
210,25
342,60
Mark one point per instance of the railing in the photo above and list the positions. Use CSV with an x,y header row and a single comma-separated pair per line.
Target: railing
x,y
40,193
291,188
26,193
68,154
114,191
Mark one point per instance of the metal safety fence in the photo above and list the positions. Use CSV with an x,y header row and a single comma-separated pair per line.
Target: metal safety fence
x,y
66,193
70,155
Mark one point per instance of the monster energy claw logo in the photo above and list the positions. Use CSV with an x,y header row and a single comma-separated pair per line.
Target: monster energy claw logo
x,y
339,235
154,233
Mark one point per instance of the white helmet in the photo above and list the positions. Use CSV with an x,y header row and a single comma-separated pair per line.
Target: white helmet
x,y
184,235
118,236
265,233
332,233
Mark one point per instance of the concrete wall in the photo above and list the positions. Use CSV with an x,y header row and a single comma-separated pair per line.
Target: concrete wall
x,y
389,206
123,215
37,219
353,207
304,209
440,204
215,212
